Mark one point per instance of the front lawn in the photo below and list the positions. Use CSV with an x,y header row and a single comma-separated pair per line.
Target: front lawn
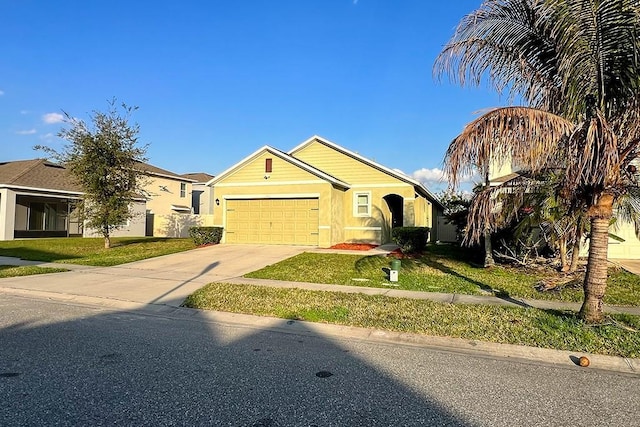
x,y
441,269
511,325
91,251
26,270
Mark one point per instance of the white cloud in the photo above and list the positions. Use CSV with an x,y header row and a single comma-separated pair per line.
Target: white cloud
x,y
26,132
47,136
51,118
437,175
434,178
429,175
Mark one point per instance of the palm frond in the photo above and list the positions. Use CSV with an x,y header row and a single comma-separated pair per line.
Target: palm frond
x,y
509,43
524,136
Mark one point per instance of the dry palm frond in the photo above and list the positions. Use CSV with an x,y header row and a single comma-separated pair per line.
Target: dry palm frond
x,y
595,164
525,136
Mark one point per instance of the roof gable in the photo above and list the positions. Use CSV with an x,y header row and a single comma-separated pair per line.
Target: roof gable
x,y
281,155
370,163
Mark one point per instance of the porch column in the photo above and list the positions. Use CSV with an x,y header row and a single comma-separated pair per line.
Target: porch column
x,y
7,213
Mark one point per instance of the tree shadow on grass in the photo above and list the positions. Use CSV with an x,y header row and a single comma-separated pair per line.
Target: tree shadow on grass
x,y
427,260
137,240
32,254
498,293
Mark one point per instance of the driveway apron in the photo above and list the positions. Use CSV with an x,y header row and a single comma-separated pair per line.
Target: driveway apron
x,y
631,265
166,280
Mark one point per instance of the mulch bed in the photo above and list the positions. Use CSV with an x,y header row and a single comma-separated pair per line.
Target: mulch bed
x,y
354,246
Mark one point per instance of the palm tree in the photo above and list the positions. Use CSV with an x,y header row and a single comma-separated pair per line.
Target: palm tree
x,y
576,66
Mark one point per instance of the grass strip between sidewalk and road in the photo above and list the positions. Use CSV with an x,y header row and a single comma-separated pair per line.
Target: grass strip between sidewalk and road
x,y
91,251
619,336
443,268
26,270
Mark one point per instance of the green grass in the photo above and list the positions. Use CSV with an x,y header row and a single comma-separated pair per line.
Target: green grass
x,y
26,270
91,251
510,325
440,269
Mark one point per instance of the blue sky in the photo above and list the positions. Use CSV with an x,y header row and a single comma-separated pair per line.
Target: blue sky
x,y
216,80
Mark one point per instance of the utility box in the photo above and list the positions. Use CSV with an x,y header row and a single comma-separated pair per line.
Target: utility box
x,y
393,275
395,265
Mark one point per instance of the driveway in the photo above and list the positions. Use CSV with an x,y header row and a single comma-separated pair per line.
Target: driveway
x,y
166,280
631,265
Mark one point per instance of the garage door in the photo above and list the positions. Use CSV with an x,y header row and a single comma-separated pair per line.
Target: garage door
x,y
272,221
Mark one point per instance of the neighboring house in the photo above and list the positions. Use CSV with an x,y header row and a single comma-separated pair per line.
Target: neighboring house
x,y
37,199
200,194
319,194
625,245
168,202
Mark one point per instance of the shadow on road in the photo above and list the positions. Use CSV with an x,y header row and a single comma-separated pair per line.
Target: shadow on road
x,y
70,365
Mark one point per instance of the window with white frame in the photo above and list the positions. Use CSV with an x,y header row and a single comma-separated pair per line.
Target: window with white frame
x,y
183,189
362,204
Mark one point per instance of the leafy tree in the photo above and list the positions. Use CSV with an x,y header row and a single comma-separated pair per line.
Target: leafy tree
x,y
103,158
456,208
576,65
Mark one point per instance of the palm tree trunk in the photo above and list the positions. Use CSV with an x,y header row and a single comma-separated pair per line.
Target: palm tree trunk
x,y
562,244
488,250
595,281
575,255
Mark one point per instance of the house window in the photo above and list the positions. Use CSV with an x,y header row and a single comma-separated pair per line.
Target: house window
x,y
183,189
362,204
268,165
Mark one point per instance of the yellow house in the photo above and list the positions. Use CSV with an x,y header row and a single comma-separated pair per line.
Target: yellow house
x,y
319,194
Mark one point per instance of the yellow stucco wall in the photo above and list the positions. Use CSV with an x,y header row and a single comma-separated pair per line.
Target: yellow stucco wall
x,y
338,221
253,172
364,178
285,181
630,248
376,227
341,166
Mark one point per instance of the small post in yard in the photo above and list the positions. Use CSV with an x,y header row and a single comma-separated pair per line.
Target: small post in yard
x,y
395,268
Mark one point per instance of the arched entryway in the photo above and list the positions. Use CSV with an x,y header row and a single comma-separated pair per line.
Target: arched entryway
x,y
395,203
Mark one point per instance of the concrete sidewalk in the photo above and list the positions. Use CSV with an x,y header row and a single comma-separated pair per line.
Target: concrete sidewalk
x,y
431,296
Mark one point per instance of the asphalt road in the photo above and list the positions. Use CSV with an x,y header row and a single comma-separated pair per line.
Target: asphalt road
x,y
63,364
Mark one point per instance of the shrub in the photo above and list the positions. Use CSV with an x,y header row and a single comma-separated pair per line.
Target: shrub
x,y
410,239
205,235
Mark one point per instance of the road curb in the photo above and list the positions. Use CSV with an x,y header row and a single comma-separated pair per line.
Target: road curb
x,y
478,348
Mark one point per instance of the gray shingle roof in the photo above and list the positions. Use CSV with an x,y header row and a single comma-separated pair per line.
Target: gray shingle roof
x,y
198,176
37,173
154,170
